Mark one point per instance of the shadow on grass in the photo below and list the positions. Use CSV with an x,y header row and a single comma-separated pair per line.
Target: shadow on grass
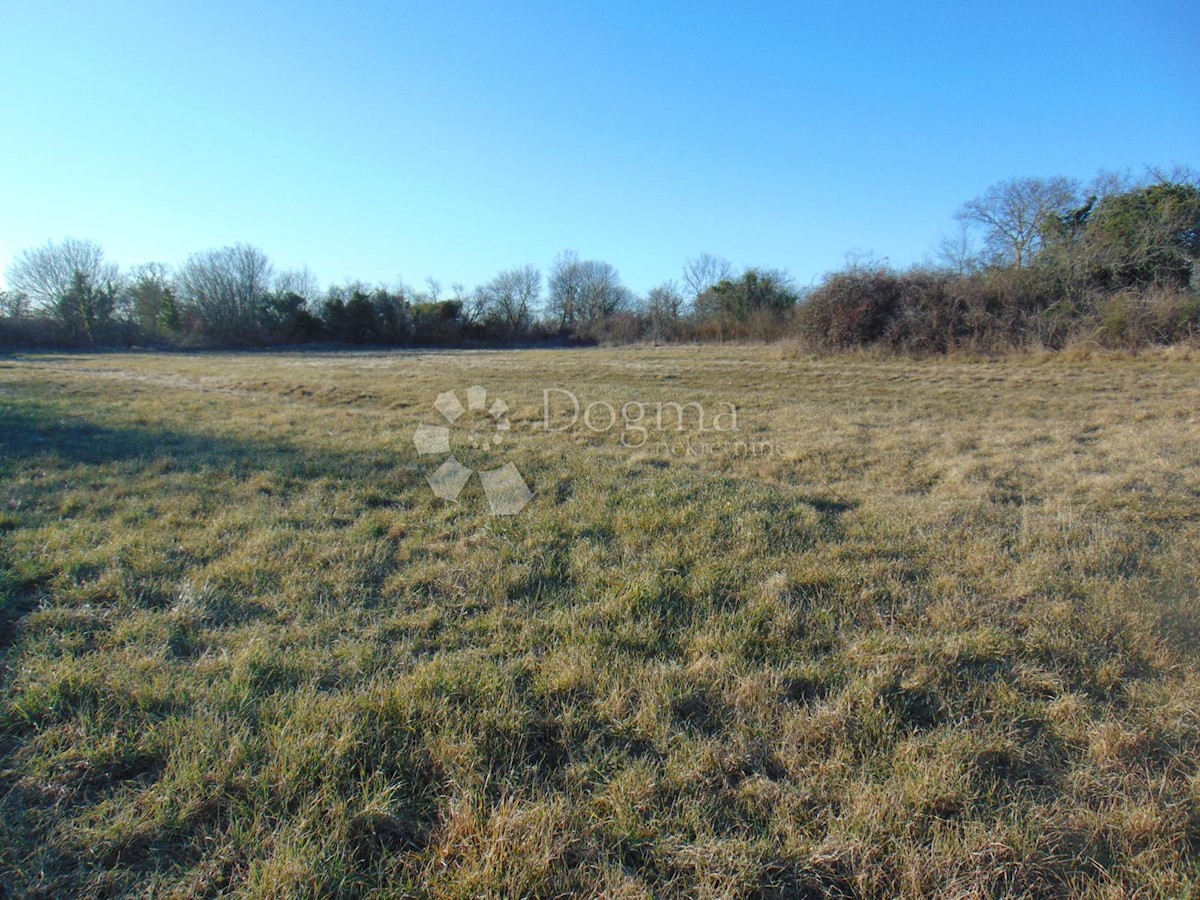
x,y
42,445
32,431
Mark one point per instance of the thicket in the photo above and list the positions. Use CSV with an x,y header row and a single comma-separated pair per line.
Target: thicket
x,y
1117,269
1036,263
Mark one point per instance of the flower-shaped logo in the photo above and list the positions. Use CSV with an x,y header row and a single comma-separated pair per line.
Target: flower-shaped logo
x,y
504,487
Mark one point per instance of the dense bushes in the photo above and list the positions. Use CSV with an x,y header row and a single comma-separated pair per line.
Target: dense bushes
x,y
1117,269
850,309
926,311
1115,266
1155,316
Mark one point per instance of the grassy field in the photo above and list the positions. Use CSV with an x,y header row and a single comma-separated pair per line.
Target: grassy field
x,y
916,628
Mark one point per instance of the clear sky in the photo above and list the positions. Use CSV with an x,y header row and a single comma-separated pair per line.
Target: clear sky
x,y
454,139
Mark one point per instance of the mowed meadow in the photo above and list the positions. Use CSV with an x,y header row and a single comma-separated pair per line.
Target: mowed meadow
x,y
931,630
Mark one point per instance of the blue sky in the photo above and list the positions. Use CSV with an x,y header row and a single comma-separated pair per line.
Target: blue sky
x,y
385,140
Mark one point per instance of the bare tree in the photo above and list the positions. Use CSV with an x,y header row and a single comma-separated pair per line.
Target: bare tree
x,y
565,286
602,293
664,305
470,303
584,291
956,252
71,282
705,272
665,300
300,282
1176,174
13,304
509,298
1011,214
47,274
227,289
1110,181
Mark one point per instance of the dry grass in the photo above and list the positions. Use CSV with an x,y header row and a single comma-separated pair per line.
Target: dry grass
x,y
942,642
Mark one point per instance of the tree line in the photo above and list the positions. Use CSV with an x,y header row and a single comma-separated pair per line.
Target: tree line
x,y
1033,262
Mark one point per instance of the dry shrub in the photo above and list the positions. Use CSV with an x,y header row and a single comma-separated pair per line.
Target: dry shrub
x,y
922,312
